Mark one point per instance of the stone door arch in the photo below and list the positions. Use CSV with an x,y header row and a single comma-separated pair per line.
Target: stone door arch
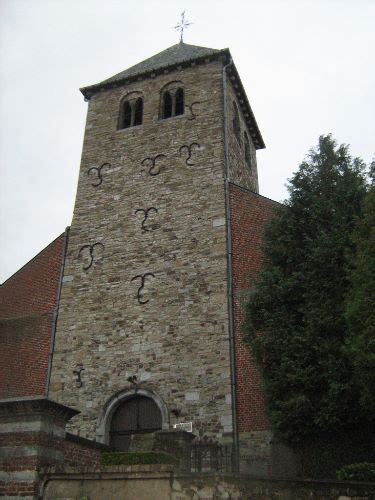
x,y
137,415
137,410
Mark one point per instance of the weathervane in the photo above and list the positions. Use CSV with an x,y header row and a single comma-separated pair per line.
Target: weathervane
x,y
181,26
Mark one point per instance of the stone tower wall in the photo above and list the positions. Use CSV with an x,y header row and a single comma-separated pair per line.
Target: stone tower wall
x,y
177,343
240,172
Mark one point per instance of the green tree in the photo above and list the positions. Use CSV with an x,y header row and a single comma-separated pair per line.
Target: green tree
x,y
298,304
360,311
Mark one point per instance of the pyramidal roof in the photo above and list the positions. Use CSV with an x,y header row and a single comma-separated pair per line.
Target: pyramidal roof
x,y
176,54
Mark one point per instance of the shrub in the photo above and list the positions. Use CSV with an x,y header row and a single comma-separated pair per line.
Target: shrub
x,y
364,471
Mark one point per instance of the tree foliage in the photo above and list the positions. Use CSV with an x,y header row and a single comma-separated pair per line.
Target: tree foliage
x,y
298,304
360,310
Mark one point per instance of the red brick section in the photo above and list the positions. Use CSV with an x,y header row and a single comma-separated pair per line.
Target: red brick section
x,y
33,289
249,213
82,452
28,300
76,453
19,489
25,344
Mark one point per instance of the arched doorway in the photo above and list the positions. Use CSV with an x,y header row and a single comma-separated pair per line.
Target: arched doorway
x,y
136,415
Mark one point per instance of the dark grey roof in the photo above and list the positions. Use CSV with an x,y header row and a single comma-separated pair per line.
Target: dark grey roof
x,y
179,53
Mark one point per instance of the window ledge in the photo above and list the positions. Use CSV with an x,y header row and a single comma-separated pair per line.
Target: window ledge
x,y
172,118
135,127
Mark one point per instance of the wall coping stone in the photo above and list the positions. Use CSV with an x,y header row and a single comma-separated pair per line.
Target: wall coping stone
x,y
35,406
164,471
105,471
86,442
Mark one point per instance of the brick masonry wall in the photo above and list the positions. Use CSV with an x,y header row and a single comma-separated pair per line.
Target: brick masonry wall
x,y
24,454
177,343
27,303
80,452
249,213
27,489
24,344
33,289
75,451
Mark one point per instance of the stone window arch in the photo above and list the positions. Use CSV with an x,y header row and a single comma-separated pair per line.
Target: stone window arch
x,y
236,123
172,100
115,408
131,111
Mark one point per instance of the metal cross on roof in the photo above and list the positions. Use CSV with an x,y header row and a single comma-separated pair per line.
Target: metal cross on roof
x,y
182,25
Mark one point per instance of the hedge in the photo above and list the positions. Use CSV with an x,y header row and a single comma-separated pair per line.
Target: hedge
x,y
136,458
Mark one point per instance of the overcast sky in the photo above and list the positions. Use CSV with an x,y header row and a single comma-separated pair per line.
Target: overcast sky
x,y
307,68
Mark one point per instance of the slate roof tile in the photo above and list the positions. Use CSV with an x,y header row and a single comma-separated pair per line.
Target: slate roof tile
x,y
179,53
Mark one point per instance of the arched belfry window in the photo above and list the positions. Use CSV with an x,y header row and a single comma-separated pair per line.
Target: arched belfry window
x,y
131,111
236,123
247,149
172,102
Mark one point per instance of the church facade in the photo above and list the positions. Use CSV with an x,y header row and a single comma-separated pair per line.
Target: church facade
x,y
144,329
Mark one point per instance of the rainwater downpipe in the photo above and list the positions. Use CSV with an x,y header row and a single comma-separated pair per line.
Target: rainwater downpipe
x,y
232,353
56,311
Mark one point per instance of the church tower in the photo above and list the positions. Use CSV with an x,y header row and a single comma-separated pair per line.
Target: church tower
x,y
148,332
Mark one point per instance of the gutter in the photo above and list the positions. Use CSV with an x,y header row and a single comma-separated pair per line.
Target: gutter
x,y
232,353
56,311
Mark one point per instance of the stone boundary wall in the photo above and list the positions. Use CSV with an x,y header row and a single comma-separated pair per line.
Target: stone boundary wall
x,y
142,483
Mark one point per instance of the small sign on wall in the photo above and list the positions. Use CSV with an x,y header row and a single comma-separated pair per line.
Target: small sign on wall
x,y
184,426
